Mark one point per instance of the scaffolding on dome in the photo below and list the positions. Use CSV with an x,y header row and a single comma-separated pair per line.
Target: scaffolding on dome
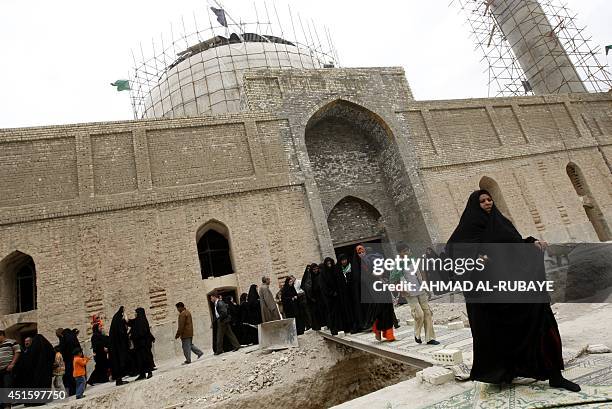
x,y
199,70
506,77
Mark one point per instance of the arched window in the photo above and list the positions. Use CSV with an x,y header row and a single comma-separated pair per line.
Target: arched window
x,y
26,288
214,250
17,283
589,204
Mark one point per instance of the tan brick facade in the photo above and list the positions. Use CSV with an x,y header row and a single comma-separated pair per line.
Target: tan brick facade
x,y
109,212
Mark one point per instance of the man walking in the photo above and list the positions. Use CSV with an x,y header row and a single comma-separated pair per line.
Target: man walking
x,y
185,333
419,307
269,310
223,319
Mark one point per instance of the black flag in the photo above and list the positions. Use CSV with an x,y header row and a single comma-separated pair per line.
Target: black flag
x,y
220,13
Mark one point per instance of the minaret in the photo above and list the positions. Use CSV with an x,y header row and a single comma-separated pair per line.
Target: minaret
x,y
534,42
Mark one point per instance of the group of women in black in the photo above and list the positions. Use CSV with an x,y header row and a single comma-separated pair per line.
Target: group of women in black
x,y
332,297
125,351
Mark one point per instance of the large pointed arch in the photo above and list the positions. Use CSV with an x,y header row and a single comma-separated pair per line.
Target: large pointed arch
x,y
351,148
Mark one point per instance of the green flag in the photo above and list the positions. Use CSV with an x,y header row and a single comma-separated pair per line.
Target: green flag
x,y
122,85
608,48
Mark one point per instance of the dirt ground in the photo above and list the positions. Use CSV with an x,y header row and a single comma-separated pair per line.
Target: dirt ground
x,y
318,374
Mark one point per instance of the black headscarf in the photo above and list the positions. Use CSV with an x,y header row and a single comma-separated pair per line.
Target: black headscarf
x,y
98,340
478,226
141,330
306,283
329,277
253,294
480,233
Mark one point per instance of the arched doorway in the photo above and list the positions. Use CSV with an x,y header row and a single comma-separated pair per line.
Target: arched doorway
x,y
214,250
492,187
589,204
353,220
352,151
17,283
228,294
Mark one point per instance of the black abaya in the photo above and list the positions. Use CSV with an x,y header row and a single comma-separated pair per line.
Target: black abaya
x,y
68,344
35,368
312,284
143,342
344,298
332,301
99,342
510,340
119,351
291,307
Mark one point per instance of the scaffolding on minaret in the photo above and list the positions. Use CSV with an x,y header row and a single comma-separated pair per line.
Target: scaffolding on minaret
x,y
534,47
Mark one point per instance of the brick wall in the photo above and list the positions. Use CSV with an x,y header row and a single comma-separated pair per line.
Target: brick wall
x,y
110,211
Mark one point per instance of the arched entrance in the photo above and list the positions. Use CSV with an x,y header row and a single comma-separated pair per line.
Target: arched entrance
x,y
353,221
17,284
228,294
352,152
589,204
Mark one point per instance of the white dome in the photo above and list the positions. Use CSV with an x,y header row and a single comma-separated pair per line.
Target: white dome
x,y
211,81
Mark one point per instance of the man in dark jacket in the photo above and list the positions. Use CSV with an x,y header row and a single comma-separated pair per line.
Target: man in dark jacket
x,y
223,320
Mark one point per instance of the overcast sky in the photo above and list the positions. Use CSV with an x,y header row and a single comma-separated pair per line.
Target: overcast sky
x,y
58,57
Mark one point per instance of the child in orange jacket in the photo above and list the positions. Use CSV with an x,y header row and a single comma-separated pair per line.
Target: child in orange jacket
x,y
80,372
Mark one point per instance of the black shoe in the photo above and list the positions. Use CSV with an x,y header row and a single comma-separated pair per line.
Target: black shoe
x,y
119,383
140,377
218,353
236,349
417,340
149,375
563,383
433,342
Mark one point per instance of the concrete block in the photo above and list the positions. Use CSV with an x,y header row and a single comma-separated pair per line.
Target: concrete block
x,y
279,334
455,325
597,349
435,375
448,357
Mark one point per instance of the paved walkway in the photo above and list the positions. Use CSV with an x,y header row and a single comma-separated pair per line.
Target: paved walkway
x,y
405,349
579,324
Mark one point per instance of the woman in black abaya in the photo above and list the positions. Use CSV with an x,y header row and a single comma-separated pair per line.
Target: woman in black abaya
x,y
143,343
99,345
510,339
330,291
119,347
291,307
253,314
35,369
